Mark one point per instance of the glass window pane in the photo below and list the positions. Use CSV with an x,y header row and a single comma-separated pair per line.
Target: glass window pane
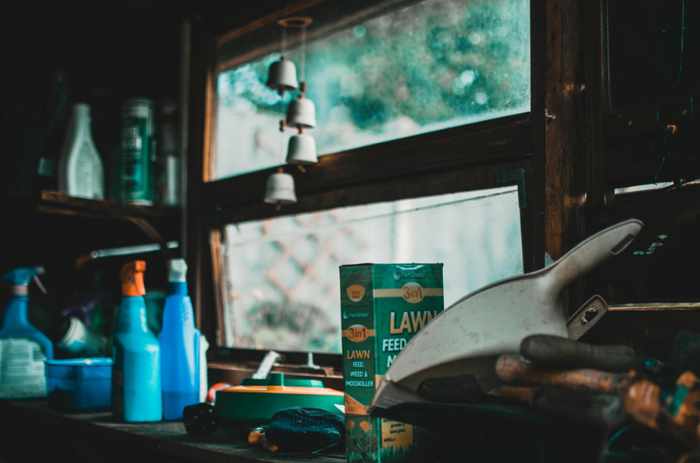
x,y
429,66
282,283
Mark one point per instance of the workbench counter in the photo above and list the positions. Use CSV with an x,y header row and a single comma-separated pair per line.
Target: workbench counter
x,y
33,431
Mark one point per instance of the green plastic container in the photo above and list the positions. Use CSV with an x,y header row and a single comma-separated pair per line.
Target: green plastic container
x,y
254,402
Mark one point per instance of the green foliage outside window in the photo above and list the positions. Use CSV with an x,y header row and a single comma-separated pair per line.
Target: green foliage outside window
x,y
434,64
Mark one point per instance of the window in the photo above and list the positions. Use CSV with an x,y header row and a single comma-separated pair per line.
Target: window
x,y
427,154
425,67
283,289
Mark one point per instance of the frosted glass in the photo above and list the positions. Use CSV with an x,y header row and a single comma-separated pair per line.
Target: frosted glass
x,y
281,275
432,65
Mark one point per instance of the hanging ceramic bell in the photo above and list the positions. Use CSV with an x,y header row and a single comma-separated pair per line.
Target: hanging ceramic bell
x,y
301,113
282,75
279,189
301,149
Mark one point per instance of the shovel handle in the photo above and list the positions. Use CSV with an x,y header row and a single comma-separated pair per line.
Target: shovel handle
x,y
513,369
591,252
558,352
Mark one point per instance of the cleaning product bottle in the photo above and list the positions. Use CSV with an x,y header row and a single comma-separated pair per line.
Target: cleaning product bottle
x,y
80,171
136,371
78,340
23,348
203,372
180,346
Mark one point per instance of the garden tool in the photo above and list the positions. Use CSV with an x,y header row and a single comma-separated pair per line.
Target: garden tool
x,y
557,352
586,316
466,339
513,369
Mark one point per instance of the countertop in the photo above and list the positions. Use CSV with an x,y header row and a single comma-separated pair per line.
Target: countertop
x,y
98,437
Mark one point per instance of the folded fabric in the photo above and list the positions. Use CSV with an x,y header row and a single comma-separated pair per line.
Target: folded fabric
x,y
301,430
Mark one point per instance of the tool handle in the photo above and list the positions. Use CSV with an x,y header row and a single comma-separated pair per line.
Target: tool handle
x,y
266,365
513,369
604,410
600,410
591,252
557,352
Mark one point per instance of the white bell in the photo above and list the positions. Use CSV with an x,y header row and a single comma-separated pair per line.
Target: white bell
x,y
301,149
301,113
279,189
282,75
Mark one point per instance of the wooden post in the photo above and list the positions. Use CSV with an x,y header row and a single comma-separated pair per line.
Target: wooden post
x,y
574,162
201,99
574,165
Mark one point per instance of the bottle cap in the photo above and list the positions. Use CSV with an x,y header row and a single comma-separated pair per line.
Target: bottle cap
x,y
81,110
178,270
132,278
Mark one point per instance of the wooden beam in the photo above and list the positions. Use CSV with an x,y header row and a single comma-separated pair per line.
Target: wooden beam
x,y
562,47
488,143
218,284
533,215
261,36
403,187
200,125
574,158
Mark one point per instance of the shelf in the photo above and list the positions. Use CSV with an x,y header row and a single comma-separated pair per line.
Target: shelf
x,y
52,224
53,202
157,223
40,432
650,328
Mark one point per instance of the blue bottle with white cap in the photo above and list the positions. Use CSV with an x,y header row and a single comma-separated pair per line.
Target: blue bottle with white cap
x,y
180,344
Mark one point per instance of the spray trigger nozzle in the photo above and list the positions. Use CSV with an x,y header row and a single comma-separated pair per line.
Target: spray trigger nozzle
x,y
40,284
22,276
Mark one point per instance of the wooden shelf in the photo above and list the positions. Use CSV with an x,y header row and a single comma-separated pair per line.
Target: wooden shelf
x,y
41,433
52,224
53,202
650,328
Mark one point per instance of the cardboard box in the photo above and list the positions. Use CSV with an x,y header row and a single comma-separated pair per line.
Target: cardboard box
x,y
382,307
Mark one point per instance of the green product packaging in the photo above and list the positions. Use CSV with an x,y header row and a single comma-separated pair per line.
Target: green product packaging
x,y
382,307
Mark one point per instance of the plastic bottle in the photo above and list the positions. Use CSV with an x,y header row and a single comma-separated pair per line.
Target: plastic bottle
x,y
23,348
180,346
168,162
136,374
57,116
80,171
203,372
78,340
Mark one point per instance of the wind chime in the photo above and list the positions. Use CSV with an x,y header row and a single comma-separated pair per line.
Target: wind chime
x,y
301,115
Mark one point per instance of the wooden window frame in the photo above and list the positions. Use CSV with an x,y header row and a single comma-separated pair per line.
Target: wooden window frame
x,y
462,158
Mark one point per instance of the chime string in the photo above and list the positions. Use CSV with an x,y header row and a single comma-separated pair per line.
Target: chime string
x,y
303,54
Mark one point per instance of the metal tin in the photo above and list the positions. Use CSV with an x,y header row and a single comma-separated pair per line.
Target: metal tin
x,y
137,151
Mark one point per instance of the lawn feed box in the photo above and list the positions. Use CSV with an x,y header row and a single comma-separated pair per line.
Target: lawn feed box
x,y
382,307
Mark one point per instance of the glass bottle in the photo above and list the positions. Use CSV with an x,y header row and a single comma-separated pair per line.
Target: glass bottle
x,y
80,172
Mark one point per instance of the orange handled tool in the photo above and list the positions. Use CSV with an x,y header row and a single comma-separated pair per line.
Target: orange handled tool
x,y
513,369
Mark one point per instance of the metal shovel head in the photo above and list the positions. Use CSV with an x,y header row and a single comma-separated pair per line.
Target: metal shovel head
x,y
467,338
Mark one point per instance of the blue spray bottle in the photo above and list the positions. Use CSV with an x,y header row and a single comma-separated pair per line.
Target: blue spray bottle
x,y
179,343
15,323
23,348
136,371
